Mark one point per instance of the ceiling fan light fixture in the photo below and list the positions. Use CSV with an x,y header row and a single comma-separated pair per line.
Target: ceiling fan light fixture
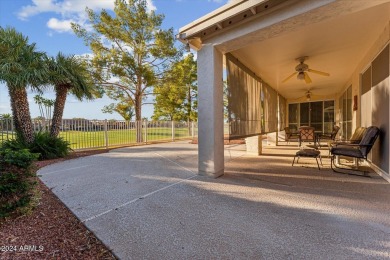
x,y
302,69
308,95
301,76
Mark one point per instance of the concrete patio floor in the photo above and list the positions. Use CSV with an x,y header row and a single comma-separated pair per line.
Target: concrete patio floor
x,y
147,202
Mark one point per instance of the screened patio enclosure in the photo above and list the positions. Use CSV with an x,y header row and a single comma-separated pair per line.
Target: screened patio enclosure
x,y
253,107
258,43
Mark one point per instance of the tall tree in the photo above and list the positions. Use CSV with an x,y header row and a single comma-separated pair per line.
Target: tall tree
x,y
176,96
68,74
21,66
130,49
169,103
124,108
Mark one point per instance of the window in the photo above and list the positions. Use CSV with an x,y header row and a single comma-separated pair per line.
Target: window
x,y
346,114
304,114
293,117
328,116
319,115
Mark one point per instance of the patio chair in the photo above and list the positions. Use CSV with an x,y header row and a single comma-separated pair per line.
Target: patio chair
x,y
357,151
355,138
329,137
306,134
290,136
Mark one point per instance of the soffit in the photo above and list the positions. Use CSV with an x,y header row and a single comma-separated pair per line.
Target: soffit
x,y
335,46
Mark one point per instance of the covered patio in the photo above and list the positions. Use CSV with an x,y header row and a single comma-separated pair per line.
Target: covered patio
x,y
288,64
148,202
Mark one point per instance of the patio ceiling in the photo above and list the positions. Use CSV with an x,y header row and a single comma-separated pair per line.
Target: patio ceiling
x,y
335,46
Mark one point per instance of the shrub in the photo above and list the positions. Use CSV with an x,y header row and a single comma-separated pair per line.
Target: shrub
x,y
17,180
47,146
16,144
22,158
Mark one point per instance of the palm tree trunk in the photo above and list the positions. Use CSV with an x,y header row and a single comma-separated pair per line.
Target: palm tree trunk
x,y
21,113
59,105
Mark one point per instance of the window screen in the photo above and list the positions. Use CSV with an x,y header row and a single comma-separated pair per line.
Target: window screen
x,y
252,104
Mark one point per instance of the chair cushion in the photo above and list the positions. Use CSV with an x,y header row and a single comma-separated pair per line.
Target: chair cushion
x,y
346,151
308,153
357,135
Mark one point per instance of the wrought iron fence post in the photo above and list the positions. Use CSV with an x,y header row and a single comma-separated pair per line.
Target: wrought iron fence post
x,y
146,131
173,130
105,133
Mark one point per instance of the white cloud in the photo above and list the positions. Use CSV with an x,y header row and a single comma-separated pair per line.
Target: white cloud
x,y
87,56
67,8
150,6
69,11
39,6
223,1
60,26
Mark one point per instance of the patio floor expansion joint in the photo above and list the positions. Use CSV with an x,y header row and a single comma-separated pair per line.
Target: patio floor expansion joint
x,y
146,195
136,199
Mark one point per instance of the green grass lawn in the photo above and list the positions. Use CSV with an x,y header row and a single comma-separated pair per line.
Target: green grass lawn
x,y
5,136
89,139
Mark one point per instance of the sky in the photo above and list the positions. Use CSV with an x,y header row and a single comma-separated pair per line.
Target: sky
x,y
47,23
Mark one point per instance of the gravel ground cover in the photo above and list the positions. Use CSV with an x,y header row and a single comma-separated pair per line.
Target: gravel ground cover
x,y
50,231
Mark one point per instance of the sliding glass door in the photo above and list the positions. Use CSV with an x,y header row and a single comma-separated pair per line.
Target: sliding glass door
x,y
328,116
319,115
345,104
293,117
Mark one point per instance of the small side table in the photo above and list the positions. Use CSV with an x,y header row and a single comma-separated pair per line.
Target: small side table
x,y
313,153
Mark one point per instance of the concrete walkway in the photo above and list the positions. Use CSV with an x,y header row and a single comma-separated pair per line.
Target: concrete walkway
x,y
148,203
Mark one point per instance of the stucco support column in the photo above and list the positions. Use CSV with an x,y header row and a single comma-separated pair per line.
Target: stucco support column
x,y
210,112
254,145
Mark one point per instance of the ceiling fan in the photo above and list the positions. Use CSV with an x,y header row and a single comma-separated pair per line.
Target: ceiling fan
x,y
308,94
302,69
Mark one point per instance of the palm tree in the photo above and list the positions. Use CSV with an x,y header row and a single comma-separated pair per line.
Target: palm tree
x,y
6,116
68,74
21,65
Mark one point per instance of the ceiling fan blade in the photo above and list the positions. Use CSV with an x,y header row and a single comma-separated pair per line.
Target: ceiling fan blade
x,y
307,78
289,77
319,72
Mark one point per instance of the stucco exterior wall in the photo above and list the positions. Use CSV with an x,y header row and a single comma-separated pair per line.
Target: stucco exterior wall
x,y
355,79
